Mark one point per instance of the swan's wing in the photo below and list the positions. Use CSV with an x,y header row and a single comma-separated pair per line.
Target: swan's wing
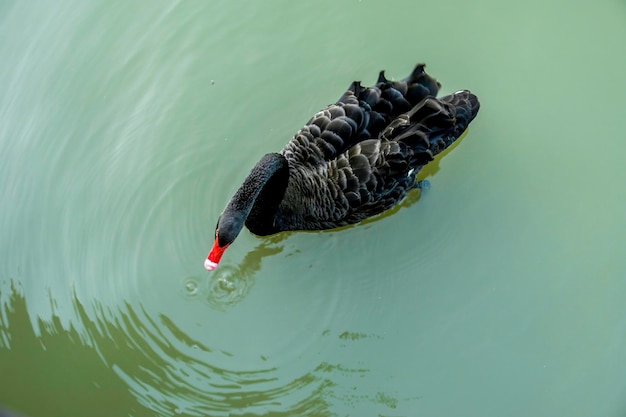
x,y
359,114
433,125
369,178
375,174
365,180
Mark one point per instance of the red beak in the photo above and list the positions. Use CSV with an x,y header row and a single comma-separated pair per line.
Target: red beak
x,y
211,261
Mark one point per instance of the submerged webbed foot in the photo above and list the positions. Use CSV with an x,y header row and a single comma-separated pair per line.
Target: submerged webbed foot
x,y
422,185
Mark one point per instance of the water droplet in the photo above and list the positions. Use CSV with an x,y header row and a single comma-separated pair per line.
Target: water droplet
x,y
191,286
228,286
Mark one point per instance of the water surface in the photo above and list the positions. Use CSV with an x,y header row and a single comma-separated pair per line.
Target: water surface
x,y
125,129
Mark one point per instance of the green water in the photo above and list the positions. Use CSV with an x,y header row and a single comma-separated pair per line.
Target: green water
x,y
125,127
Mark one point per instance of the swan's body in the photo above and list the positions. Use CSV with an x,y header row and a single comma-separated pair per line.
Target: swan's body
x,y
352,160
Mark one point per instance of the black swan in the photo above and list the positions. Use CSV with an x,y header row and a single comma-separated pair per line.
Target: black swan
x,y
354,159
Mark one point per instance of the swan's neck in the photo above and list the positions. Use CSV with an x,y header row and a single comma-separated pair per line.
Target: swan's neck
x,y
257,200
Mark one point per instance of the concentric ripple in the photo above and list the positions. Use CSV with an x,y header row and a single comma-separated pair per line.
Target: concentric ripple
x,y
130,209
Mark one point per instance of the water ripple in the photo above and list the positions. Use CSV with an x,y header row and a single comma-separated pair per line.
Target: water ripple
x,y
172,373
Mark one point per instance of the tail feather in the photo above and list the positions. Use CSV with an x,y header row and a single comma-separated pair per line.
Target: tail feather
x,y
464,105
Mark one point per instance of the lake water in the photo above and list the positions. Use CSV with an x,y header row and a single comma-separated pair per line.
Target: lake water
x,y
125,127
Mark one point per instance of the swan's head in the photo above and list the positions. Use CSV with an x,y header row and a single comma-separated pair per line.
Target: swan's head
x,y
226,231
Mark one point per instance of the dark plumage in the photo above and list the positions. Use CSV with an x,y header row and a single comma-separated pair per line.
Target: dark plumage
x,y
352,160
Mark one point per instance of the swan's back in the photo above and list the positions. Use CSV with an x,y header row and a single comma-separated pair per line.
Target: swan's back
x,y
360,156
360,113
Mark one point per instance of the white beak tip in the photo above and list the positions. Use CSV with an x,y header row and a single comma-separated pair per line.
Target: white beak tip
x,y
209,265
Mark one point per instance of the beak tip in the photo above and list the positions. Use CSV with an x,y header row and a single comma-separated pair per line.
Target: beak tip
x,y
209,265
